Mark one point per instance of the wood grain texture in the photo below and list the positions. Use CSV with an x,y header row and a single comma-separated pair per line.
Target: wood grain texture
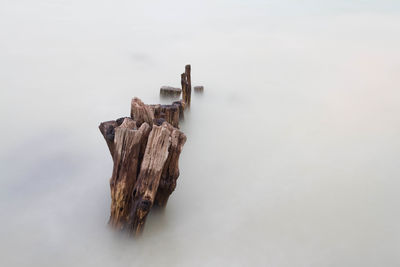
x,y
145,161
141,112
149,178
169,113
170,172
127,143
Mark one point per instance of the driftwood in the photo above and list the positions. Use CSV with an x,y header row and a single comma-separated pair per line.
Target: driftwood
x,y
145,149
145,157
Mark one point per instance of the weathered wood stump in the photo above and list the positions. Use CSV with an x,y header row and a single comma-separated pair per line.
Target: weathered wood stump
x,y
148,181
145,151
141,112
128,141
170,92
186,83
198,89
181,106
170,172
169,113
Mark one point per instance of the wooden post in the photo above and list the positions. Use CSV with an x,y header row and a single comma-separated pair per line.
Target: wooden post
x,y
145,158
188,85
184,88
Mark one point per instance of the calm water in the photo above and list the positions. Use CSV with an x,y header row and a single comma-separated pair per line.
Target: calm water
x,y
293,151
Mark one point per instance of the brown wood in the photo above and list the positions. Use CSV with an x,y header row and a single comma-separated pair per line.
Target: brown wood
x,y
184,87
198,89
170,92
145,149
171,168
107,130
127,141
149,178
188,85
141,112
145,159
181,108
169,113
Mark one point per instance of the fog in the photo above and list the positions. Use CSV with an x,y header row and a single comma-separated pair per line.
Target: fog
x,y
293,150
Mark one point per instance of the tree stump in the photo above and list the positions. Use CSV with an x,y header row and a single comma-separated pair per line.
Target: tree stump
x,y
145,156
145,149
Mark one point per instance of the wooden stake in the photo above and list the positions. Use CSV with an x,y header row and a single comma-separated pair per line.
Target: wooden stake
x,y
184,87
188,85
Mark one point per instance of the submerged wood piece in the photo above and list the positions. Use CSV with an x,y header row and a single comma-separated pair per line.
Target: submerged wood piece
x,y
149,177
171,168
168,91
127,144
199,89
141,112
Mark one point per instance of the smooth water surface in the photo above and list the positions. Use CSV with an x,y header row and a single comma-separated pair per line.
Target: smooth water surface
x,y
293,151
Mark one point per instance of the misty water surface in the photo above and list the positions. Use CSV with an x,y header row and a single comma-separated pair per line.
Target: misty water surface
x,y
293,151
